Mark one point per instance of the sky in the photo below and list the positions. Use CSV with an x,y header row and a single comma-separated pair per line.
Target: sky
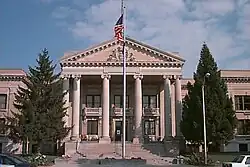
x,y
28,26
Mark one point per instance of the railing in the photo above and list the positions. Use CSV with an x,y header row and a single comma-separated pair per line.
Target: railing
x,y
118,111
242,137
246,112
151,111
92,111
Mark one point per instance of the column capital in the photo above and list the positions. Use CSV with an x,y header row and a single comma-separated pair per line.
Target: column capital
x,y
167,77
77,76
105,75
64,76
178,77
138,76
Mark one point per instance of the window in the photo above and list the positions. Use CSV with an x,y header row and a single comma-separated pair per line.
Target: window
x,y
149,101
118,101
242,102
92,127
247,160
93,101
238,159
7,161
2,128
149,127
243,148
243,127
3,101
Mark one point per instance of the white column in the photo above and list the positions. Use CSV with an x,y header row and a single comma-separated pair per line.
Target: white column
x,y
162,112
105,108
178,105
138,108
76,109
167,107
173,109
66,104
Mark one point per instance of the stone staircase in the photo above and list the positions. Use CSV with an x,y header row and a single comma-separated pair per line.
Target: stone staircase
x,y
153,153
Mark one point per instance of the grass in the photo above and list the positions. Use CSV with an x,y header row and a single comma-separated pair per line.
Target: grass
x,y
223,157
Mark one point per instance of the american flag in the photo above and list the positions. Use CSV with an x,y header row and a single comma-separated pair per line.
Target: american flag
x,y
119,29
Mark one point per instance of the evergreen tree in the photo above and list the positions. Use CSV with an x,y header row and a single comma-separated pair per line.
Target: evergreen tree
x,y
220,115
40,105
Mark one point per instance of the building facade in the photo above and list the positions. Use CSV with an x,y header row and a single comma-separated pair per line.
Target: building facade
x,y
93,84
10,79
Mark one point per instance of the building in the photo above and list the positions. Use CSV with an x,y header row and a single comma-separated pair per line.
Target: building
x,y
94,85
10,79
94,80
155,90
238,83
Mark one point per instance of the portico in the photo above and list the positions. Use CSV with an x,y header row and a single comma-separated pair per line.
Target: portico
x,y
94,92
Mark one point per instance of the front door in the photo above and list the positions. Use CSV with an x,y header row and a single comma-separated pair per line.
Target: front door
x,y
118,130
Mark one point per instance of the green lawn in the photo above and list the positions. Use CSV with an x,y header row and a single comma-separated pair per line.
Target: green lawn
x,y
222,157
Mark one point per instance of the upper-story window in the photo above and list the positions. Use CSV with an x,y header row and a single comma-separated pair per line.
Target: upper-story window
x,y
118,101
93,101
2,123
3,101
242,102
149,101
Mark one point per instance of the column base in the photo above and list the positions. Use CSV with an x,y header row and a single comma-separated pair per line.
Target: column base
x,y
136,140
174,146
74,138
70,147
105,140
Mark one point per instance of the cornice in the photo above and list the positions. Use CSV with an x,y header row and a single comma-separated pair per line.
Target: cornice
x,y
11,78
236,79
119,64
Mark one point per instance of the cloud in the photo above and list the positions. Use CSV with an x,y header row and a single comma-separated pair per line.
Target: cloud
x,y
173,25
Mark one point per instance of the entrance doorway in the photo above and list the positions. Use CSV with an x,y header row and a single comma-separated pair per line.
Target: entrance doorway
x,y
119,130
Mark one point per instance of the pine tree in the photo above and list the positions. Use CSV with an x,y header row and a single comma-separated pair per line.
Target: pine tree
x,y
40,105
220,115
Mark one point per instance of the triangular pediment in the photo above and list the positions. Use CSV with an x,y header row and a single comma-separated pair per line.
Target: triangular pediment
x,y
111,51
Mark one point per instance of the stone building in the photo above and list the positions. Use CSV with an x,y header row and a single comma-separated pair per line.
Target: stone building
x,y
94,85
94,80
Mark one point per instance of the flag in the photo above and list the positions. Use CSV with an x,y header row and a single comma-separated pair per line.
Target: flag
x,y
119,29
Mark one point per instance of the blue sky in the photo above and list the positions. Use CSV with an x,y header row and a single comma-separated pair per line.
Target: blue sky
x,y
28,26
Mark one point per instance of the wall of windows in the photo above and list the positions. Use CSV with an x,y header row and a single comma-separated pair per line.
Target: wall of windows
x,y
149,101
242,102
93,101
118,101
3,101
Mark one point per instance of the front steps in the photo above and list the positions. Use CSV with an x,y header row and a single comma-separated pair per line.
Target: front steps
x,y
153,152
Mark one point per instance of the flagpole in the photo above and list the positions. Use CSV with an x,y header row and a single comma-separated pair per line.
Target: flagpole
x,y
124,83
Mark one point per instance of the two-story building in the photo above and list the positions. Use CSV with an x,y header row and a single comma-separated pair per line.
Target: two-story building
x,y
94,82
94,85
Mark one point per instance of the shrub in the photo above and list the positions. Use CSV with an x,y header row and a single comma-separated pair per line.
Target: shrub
x,y
38,160
197,159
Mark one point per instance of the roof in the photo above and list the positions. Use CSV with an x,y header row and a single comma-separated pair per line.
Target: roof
x,y
12,72
77,54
